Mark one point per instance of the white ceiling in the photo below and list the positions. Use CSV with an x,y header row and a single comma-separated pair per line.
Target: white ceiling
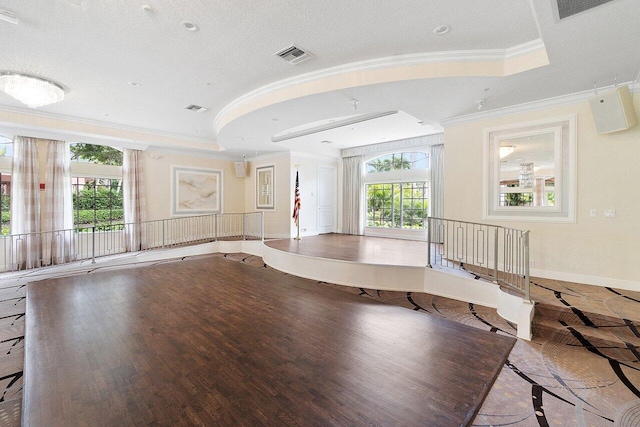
x,y
96,48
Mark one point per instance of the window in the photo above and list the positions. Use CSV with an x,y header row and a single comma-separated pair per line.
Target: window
x,y
98,154
397,191
398,161
5,202
398,205
97,202
6,153
97,199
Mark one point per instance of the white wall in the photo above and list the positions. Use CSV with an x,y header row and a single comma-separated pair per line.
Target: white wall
x,y
276,221
599,250
157,175
308,174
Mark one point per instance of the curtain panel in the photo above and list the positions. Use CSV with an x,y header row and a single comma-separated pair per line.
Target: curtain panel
x,y
353,188
25,204
133,199
436,189
58,245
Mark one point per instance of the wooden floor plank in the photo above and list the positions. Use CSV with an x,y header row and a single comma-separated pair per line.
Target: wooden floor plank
x,y
211,341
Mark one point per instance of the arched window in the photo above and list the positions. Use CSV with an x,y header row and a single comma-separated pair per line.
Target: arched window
x,y
398,161
397,190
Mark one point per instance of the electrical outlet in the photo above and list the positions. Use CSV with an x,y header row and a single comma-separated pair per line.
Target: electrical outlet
x,y
610,213
532,263
593,213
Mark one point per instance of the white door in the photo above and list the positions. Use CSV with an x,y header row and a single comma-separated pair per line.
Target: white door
x,y
327,203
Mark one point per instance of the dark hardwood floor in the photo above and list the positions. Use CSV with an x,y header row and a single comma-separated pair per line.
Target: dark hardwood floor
x,y
346,247
214,342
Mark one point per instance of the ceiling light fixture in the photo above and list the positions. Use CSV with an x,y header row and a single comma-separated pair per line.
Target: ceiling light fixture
x,y
9,17
526,175
334,125
136,84
32,91
441,30
505,150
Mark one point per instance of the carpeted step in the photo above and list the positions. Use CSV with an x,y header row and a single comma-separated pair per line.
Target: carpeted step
x,y
10,411
612,336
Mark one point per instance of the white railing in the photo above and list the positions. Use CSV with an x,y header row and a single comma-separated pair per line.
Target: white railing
x,y
34,250
499,254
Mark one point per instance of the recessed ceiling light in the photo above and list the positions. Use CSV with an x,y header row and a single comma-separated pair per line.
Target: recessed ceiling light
x,y
147,8
107,115
326,142
441,30
189,26
136,84
274,119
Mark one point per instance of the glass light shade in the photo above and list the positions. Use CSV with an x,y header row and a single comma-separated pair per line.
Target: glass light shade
x,y
32,91
505,151
526,175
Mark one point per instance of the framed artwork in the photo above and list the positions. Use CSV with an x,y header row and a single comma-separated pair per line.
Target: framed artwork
x,y
196,191
265,189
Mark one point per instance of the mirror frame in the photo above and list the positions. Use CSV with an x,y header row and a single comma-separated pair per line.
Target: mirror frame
x,y
564,130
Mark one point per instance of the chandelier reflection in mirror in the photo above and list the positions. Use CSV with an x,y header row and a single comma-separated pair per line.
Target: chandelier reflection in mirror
x,y
31,91
526,175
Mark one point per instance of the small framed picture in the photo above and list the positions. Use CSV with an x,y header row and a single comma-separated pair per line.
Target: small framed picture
x,y
265,189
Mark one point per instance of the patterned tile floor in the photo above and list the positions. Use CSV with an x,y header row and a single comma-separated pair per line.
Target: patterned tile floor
x,y
583,369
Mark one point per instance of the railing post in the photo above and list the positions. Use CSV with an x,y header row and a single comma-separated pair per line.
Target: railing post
x,y
429,242
215,226
163,221
262,226
495,256
93,245
527,278
244,229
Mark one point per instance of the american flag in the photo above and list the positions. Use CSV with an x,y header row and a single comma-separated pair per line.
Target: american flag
x,y
296,201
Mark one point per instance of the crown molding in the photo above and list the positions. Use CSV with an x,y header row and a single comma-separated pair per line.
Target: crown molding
x,y
399,144
573,98
96,123
313,156
478,55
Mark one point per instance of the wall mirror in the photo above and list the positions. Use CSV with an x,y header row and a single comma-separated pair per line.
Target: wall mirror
x,y
530,171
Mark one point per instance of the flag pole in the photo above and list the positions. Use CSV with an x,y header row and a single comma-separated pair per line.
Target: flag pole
x,y
297,204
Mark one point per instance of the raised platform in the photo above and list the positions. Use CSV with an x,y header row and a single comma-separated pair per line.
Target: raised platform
x,y
392,265
212,341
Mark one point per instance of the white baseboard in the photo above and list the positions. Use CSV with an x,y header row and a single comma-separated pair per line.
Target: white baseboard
x,y
588,280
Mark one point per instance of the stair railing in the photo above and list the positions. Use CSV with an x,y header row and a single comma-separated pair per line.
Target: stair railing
x,y
35,250
496,253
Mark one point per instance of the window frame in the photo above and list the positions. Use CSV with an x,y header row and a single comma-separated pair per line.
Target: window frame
x,y
399,176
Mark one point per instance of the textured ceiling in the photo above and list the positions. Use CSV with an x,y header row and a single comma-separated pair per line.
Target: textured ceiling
x,y
95,49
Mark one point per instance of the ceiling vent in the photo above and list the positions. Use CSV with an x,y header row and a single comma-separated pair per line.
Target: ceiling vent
x,y
196,108
293,54
567,8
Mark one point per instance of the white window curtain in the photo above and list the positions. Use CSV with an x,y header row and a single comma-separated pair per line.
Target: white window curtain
x,y
353,187
58,244
25,204
436,188
133,198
